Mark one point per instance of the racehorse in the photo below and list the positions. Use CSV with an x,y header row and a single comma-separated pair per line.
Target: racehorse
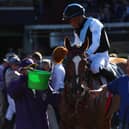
x,y
78,109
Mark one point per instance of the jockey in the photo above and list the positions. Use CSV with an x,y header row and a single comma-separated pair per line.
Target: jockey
x,y
92,29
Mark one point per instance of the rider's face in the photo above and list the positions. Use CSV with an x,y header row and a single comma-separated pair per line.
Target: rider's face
x,y
75,21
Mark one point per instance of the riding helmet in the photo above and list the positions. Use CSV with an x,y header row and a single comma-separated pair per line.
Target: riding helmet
x,y
73,10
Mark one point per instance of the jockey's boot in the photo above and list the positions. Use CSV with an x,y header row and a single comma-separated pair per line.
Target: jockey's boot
x,y
109,75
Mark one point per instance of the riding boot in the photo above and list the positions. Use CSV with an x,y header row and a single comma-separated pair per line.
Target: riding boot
x,y
109,75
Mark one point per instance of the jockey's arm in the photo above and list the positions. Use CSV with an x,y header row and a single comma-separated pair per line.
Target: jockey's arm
x,y
95,29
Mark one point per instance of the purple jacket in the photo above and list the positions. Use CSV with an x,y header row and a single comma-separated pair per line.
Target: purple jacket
x,y
30,108
120,86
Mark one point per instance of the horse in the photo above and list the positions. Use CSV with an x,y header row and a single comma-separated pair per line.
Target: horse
x,y
78,109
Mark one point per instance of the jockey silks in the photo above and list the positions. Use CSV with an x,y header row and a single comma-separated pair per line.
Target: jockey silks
x,y
94,30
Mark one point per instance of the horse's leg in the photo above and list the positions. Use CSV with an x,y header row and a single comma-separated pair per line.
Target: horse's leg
x,y
63,109
101,117
102,121
114,106
66,116
52,118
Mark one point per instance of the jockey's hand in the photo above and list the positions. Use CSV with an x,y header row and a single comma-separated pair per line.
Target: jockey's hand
x,y
86,55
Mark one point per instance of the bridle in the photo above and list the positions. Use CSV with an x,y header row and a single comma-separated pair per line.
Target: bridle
x,y
77,63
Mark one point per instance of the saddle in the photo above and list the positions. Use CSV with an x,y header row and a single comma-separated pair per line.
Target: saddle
x,y
112,72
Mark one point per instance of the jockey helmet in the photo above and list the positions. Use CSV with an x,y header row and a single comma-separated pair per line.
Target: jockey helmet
x,y
73,10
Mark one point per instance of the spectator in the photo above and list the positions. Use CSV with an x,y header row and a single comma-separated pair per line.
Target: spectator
x,y
125,17
119,8
30,108
106,13
3,100
46,65
56,83
37,58
11,74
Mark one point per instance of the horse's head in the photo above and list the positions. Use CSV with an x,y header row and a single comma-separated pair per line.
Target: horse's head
x,y
76,65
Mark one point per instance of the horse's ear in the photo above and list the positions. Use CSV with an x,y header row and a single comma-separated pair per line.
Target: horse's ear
x,y
85,45
67,42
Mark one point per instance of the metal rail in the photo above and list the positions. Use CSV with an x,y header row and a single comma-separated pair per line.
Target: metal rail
x,y
67,26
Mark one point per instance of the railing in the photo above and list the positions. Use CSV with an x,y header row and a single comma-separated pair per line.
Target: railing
x,y
115,25
12,3
56,33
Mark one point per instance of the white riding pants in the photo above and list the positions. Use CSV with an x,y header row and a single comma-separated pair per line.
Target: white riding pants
x,y
98,61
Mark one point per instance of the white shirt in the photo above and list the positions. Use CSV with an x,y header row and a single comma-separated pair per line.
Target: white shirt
x,y
95,27
57,78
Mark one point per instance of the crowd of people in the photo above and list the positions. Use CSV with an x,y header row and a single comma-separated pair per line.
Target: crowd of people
x,y
109,10
27,107
23,107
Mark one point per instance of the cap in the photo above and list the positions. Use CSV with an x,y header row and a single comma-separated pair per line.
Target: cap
x,y
37,55
27,63
73,10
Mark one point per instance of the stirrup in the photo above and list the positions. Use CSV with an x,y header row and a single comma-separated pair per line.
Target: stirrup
x,y
103,80
109,75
